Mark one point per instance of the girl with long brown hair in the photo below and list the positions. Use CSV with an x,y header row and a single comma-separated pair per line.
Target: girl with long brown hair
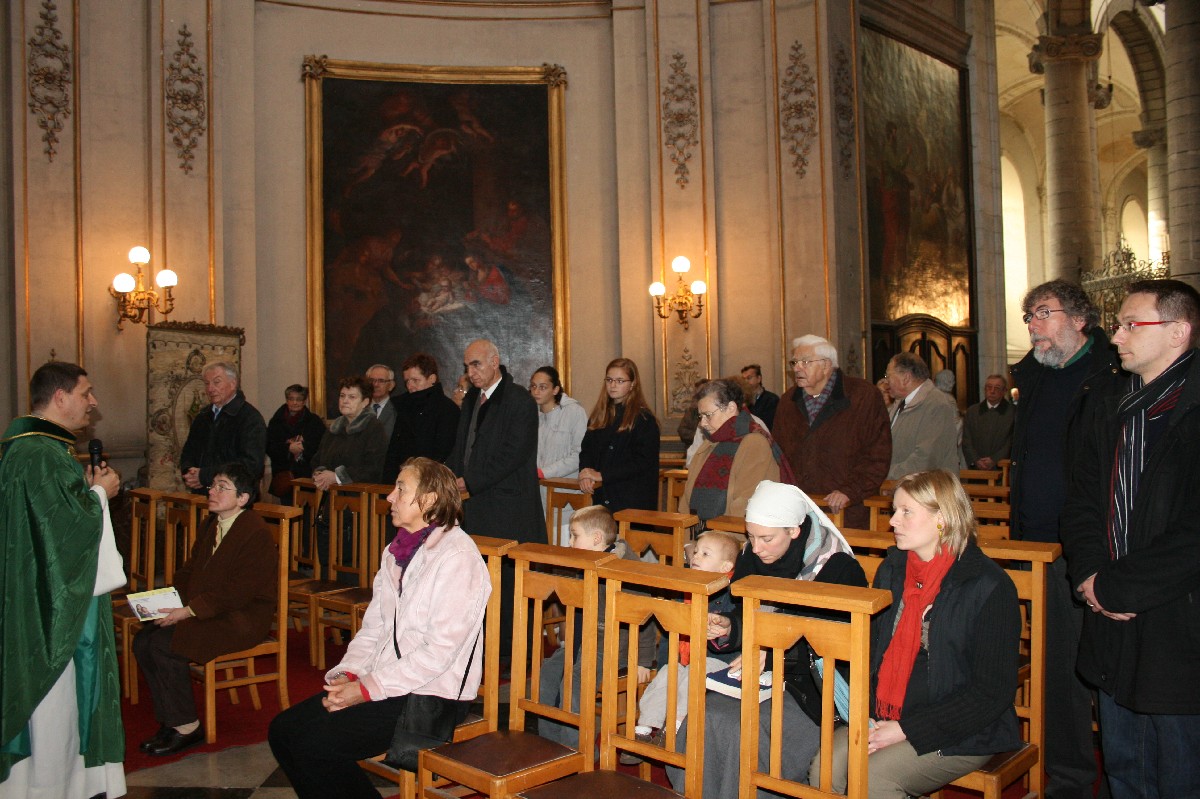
x,y
619,459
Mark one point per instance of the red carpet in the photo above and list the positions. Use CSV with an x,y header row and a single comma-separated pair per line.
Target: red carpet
x,y
237,725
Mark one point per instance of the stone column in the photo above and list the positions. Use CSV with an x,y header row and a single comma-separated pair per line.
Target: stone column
x,y
1073,204
1154,142
1183,137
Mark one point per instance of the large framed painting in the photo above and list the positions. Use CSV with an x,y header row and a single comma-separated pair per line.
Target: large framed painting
x,y
919,231
435,217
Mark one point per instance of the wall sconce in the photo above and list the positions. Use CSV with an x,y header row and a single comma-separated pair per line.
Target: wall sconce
x,y
133,298
685,302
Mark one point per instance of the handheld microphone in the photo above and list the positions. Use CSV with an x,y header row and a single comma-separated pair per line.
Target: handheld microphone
x,y
95,449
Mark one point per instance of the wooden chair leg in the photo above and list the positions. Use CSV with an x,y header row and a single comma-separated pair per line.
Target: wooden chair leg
x,y
281,682
252,686
233,694
210,703
316,645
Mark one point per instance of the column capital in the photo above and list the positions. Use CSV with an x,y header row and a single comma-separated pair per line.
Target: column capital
x,y
1080,47
1149,137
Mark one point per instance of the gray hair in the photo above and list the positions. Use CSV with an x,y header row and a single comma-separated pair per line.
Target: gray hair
x,y
1073,298
225,367
945,381
820,345
390,371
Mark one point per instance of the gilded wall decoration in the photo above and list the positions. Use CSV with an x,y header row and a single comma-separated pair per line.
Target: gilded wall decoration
x,y
681,119
687,373
49,77
176,355
798,108
187,108
843,110
436,216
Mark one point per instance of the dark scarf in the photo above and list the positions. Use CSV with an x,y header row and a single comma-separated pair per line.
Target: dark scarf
x,y
788,567
1143,413
712,483
293,419
922,581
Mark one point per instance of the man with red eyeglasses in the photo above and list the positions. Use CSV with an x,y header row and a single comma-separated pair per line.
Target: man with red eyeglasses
x,y
1071,364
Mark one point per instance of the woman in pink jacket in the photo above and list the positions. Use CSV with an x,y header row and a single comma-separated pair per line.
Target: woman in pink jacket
x,y
421,637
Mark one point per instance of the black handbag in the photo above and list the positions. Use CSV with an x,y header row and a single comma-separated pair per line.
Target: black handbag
x,y
426,721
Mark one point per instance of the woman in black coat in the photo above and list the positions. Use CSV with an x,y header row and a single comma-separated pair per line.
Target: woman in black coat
x,y
293,436
620,448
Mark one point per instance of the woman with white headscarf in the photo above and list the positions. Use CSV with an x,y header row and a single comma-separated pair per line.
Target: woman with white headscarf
x,y
789,537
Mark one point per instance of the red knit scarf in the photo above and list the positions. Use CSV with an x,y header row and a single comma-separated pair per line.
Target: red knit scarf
x,y
922,581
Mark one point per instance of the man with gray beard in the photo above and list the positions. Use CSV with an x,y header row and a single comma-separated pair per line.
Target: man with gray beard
x,y
1070,367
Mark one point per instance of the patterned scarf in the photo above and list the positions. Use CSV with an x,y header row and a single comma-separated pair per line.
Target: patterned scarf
x,y
1143,412
712,483
922,581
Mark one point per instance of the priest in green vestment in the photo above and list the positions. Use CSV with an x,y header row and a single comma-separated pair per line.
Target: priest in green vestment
x,y
60,715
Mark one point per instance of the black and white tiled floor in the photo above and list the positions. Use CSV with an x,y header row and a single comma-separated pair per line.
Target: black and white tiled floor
x,y
243,772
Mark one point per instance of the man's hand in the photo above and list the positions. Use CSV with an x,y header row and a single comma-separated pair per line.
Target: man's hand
x,y
106,478
174,617
461,484
191,478
342,695
985,463
643,675
837,501
1087,589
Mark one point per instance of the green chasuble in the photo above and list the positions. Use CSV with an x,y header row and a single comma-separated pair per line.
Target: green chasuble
x,y
50,528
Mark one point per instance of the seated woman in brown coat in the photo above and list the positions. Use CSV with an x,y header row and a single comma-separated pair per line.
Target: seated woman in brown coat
x,y
228,587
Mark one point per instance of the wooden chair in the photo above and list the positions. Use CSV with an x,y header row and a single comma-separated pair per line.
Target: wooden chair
x,y
673,481
1005,465
143,503
493,551
985,476
1005,768
280,519
307,497
663,533
980,492
351,503
501,763
182,513
561,493
655,592
834,641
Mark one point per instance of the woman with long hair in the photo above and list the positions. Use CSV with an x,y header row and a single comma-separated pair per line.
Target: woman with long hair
x,y
737,454
944,654
562,424
620,448
420,637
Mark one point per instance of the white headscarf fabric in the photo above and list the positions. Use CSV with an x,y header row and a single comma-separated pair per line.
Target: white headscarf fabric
x,y
782,505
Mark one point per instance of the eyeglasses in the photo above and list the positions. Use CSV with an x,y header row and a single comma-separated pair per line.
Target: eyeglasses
x,y
1041,313
705,416
220,487
617,381
1129,327
805,362
380,379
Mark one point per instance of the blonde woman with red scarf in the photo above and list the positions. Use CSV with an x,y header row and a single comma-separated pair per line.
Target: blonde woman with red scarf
x,y
944,655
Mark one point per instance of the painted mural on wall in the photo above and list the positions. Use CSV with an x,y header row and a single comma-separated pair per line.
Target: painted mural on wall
x,y
918,218
436,210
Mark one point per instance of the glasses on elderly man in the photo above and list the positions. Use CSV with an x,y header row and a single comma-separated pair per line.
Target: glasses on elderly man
x,y
1041,313
805,362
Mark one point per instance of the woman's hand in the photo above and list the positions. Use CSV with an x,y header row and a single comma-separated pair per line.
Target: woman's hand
x,y
719,626
174,617
325,479
587,480
342,694
296,446
885,733
735,665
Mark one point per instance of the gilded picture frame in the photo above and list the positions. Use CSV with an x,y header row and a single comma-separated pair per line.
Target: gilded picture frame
x,y
436,214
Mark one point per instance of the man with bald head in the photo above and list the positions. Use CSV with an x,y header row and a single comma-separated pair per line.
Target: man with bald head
x,y
495,458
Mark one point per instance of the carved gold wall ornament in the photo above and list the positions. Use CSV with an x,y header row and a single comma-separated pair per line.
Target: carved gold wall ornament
x,y
187,109
314,67
798,108
49,76
681,120
556,75
843,110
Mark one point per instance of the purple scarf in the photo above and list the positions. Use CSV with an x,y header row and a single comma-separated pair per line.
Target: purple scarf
x,y
405,545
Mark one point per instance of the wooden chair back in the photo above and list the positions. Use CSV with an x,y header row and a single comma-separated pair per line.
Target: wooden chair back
x,y
561,493
672,481
142,563
280,519
307,497
993,513
664,533
984,476
834,641
349,515
1005,465
980,492
182,513
379,515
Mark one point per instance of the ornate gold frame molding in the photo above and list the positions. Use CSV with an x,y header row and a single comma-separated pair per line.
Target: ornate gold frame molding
x,y
49,78
798,108
186,106
317,67
681,119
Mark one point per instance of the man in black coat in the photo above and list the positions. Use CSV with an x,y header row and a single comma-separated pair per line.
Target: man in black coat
x,y
765,402
426,419
231,429
1132,538
495,459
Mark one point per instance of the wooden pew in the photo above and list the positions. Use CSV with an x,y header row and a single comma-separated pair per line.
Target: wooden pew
x,y
664,533
561,493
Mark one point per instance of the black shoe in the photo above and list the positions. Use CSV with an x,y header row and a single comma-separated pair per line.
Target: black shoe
x,y
156,739
177,742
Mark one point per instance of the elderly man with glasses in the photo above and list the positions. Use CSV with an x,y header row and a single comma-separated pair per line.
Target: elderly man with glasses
x,y
1070,367
833,429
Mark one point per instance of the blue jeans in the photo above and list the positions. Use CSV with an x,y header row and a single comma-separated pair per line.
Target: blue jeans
x,y
1149,755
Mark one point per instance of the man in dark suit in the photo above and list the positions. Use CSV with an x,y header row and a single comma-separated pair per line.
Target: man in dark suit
x,y
228,587
495,459
765,402
383,383
231,429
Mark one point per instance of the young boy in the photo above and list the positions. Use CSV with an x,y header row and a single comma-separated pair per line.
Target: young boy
x,y
715,552
592,528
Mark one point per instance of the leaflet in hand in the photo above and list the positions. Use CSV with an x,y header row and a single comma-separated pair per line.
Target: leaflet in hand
x,y
150,605
731,685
